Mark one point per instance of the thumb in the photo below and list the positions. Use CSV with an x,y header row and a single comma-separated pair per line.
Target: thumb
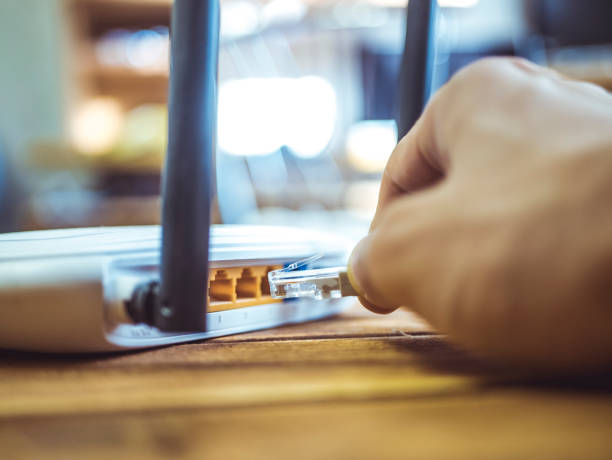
x,y
360,280
397,260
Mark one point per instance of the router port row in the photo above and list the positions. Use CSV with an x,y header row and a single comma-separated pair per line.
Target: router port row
x,y
238,287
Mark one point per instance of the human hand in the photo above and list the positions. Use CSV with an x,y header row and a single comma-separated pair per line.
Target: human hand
x,y
494,219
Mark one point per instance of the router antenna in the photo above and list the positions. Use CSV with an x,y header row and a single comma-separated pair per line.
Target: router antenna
x,y
417,67
179,301
189,172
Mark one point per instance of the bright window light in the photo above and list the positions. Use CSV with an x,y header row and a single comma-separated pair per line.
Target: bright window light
x,y
239,18
457,3
258,116
369,144
96,126
283,11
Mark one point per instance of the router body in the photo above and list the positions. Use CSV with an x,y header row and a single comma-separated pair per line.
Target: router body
x,y
66,291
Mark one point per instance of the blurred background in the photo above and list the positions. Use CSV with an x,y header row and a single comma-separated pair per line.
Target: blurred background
x,y
307,100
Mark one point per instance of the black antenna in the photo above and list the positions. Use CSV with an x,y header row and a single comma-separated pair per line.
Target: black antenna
x,y
416,71
178,302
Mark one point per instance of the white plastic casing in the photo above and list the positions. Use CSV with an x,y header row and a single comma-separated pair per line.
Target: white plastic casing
x,y
64,290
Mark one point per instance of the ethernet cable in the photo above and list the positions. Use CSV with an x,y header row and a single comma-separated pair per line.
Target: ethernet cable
x,y
299,281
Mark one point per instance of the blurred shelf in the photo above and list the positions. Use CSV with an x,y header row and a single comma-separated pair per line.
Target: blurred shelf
x,y
99,16
54,156
130,86
125,73
92,19
103,212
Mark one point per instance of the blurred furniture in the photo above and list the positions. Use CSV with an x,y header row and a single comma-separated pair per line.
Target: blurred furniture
x,y
359,386
107,169
571,23
572,37
90,21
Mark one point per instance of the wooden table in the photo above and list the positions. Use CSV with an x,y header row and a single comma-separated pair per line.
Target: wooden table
x,y
357,386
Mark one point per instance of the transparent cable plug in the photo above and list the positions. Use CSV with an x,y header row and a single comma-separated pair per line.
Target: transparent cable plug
x,y
298,280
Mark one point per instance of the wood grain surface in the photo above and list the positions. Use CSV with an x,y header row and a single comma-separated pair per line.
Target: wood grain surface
x,y
356,386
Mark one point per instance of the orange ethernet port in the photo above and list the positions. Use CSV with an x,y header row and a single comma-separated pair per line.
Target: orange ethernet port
x,y
248,286
237,287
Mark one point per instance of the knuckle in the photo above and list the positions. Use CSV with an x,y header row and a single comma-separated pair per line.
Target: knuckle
x,y
486,70
471,88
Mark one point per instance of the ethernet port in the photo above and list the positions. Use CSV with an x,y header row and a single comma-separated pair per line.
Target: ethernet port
x,y
222,287
247,286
